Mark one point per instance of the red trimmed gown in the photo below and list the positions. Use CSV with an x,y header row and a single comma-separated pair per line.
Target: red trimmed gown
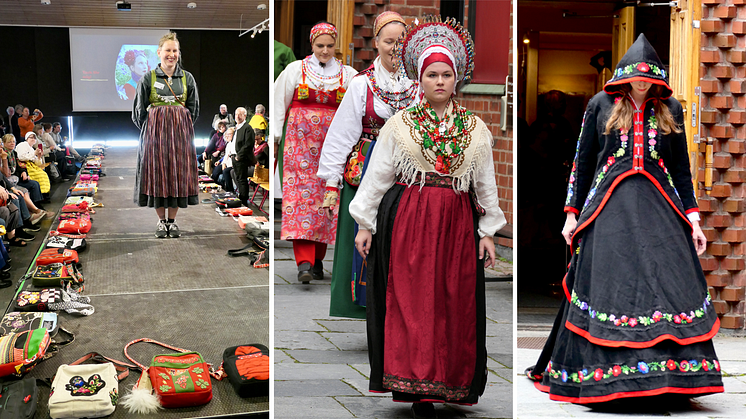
x,y
637,319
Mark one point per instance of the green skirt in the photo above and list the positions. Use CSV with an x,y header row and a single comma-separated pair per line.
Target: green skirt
x,y
341,304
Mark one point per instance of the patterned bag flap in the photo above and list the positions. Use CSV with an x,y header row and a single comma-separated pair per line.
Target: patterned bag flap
x,y
77,226
247,368
50,256
19,352
16,322
228,202
53,299
75,200
67,243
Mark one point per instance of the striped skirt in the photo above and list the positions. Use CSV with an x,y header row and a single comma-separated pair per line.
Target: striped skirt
x,y
168,167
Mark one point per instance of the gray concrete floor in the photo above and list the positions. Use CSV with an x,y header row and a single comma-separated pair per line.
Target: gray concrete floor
x,y
321,362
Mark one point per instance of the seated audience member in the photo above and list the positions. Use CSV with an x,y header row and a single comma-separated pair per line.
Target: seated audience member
x,y
222,173
258,121
56,129
30,159
18,174
17,112
215,148
47,156
261,147
26,121
10,214
224,116
56,150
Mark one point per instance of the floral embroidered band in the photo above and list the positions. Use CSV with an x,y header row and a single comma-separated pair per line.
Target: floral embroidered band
x,y
642,367
413,386
657,316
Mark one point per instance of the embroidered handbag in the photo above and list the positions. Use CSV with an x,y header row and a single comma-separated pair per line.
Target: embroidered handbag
x,y
53,299
80,207
87,390
247,368
67,243
19,399
75,200
76,226
228,202
15,322
20,352
50,256
56,274
178,380
239,211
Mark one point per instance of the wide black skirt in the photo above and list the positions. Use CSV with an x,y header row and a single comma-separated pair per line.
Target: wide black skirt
x,y
637,320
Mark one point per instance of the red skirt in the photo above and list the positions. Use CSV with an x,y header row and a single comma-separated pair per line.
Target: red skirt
x,y
429,331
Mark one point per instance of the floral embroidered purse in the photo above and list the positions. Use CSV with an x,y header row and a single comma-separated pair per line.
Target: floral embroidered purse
x,y
177,380
87,391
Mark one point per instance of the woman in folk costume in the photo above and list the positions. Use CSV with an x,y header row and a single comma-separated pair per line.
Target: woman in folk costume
x,y
165,110
429,199
307,94
373,96
637,319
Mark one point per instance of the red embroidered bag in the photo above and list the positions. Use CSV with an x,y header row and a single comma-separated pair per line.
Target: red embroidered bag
x,y
50,256
77,226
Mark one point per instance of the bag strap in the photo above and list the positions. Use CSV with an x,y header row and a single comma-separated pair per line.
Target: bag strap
x,y
55,346
122,367
243,250
218,376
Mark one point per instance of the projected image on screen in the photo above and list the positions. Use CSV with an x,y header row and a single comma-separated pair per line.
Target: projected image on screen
x,y
106,65
133,62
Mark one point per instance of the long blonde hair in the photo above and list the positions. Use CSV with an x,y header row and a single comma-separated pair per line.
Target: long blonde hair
x,y
622,112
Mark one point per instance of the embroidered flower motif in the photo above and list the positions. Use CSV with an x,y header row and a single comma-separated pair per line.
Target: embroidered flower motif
x,y
581,376
564,376
616,370
643,67
201,384
717,364
598,374
164,376
164,388
671,364
643,367
684,366
705,365
617,99
198,370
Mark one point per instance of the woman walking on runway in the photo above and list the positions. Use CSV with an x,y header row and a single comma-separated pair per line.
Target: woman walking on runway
x,y
637,319
165,109
429,200
307,94
373,97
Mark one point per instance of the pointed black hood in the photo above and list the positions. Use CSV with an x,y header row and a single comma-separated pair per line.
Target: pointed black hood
x,y
640,63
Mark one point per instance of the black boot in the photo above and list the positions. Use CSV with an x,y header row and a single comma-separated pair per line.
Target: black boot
x,y
304,273
423,410
318,270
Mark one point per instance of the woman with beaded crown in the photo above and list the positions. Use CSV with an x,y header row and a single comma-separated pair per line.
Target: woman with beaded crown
x,y
373,96
165,110
637,319
307,94
427,210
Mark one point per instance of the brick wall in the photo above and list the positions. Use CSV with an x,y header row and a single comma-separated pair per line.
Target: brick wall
x,y
723,82
486,107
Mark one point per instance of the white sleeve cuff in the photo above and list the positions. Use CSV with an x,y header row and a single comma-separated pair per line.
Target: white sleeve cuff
x,y
693,216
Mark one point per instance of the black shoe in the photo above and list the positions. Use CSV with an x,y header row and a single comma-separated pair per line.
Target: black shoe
x,y
304,273
423,410
30,228
318,270
5,283
6,268
24,236
4,275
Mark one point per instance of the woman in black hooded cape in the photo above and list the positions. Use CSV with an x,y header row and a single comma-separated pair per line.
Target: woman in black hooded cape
x,y
637,319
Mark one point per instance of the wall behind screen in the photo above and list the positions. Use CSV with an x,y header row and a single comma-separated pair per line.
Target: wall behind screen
x,y
35,72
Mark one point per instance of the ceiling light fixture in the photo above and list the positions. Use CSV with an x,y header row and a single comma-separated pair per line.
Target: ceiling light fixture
x,y
258,28
123,6
192,5
46,2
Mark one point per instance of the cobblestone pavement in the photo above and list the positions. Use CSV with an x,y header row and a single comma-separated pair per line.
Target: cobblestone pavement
x,y
321,362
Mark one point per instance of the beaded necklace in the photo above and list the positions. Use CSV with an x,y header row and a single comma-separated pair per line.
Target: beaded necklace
x,y
446,142
323,94
397,100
